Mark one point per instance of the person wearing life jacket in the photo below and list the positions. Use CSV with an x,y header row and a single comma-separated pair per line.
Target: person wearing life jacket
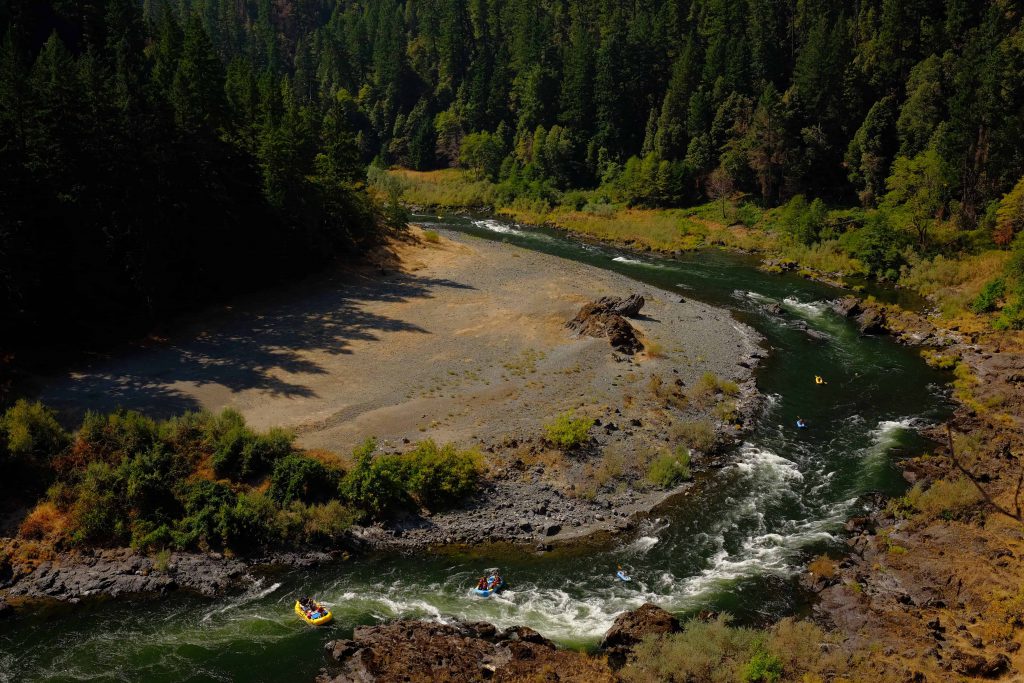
x,y
800,424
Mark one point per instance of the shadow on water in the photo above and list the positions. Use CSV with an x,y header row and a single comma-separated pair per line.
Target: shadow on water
x,y
736,546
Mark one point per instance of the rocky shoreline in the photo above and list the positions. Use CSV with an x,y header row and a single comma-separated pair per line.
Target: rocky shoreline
x,y
532,498
938,597
432,651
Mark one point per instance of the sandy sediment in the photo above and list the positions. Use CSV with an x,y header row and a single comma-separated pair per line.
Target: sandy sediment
x,y
461,340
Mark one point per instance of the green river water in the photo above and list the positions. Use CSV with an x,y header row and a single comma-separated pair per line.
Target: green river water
x,y
735,547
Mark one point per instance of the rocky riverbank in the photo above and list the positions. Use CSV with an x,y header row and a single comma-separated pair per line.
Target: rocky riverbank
x,y
27,575
932,584
453,331
456,652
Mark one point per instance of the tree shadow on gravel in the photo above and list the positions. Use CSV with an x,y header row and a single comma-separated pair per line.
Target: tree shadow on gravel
x,y
260,346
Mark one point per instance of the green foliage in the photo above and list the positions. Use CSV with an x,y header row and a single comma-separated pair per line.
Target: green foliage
x,y
249,523
1010,215
880,248
299,477
670,468
375,484
242,453
128,479
763,668
442,476
430,475
990,296
804,221
568,431
31,435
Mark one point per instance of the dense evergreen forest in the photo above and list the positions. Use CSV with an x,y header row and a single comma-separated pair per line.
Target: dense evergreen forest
x,y
159,153
146,167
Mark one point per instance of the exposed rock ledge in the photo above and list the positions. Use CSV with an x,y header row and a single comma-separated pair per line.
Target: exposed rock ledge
x,y
431,651
122,571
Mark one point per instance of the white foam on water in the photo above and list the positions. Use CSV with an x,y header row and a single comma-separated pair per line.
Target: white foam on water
x,y
631,261
814,309
883,438
757,298
497,226
642,545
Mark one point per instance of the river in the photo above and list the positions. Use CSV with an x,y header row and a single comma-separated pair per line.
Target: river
x,y
735,547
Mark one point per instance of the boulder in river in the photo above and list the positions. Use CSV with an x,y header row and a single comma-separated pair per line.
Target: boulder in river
x,y
847,307
871,321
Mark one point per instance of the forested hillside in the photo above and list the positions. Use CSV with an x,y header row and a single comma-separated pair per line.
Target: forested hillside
x,y
145,168
158,153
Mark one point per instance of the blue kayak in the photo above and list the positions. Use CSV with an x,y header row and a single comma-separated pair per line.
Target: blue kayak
x,y
622,576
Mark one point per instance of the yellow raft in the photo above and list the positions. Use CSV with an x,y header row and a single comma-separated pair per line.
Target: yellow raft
x,y
319,621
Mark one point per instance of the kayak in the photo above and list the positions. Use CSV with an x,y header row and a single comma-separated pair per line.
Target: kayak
x,y
622,576
801,425
319,621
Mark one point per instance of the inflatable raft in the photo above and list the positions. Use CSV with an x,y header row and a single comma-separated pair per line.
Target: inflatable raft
x,y
325,618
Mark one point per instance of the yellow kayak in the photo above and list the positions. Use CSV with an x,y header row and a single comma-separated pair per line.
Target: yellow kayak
x,y
319,621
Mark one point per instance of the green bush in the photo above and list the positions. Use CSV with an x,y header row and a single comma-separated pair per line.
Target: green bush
x,y
31,434
989,297
375,486
116,436
98,514
670,468
262,451
763,667
567,431
440,477
204,503
300,477
149,482
240,453
249,524
1011,317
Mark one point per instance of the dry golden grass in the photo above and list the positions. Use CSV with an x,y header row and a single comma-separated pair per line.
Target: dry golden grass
x,y
823,566
954,283
447,188
44,523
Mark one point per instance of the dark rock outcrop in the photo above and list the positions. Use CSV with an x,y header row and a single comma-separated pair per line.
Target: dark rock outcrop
x,y
606,318
632,627
427,651
124,572
871,321
847,307
628,307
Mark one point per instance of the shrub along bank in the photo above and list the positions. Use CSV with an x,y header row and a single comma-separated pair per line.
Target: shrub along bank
x,y
208,481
